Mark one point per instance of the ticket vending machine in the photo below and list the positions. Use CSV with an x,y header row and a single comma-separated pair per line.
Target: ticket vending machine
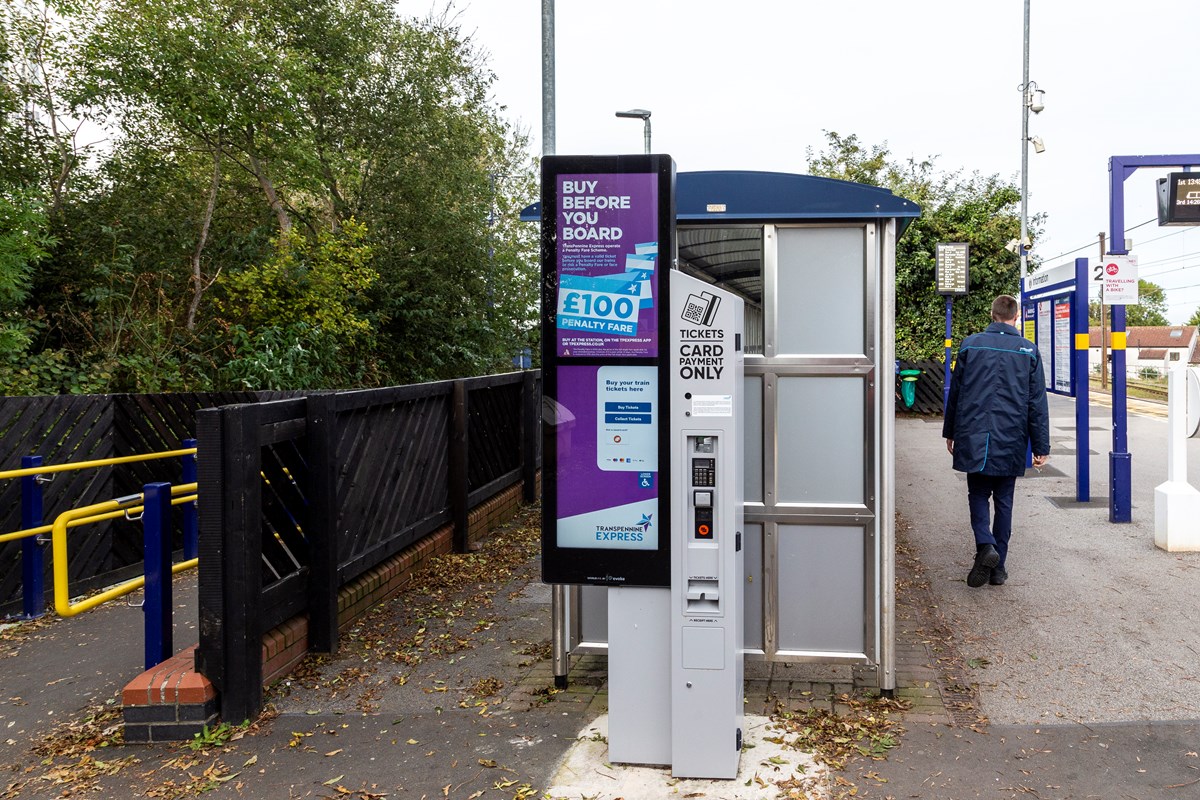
x,y
642,457
707,552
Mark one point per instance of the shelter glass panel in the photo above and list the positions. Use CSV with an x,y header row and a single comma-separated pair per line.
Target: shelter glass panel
x,y
593,616
820,588
753,482
753,598
822,275
821,439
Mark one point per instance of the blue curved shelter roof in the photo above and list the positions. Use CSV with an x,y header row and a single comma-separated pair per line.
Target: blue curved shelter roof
x,y
776,197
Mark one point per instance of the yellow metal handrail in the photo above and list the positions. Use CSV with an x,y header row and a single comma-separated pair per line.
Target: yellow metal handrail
x,y
109,509
25,533
103,462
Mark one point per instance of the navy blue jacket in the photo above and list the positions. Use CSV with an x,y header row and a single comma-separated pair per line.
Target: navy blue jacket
x,y
997,403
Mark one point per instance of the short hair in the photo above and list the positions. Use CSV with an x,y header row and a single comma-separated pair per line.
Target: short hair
x,y
1004,308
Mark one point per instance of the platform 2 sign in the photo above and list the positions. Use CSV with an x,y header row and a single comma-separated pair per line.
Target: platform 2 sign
x,y
606,256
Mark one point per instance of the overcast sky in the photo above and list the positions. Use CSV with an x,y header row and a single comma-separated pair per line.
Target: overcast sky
x,y
751,84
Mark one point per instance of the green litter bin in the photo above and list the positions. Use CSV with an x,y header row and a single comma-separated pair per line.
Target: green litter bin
x,y
908,386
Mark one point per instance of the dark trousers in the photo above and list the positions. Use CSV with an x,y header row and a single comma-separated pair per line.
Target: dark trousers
x,y
999,490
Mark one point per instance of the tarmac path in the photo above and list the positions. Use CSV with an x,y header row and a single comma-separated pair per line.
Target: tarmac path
x,y
1088,660
1086,665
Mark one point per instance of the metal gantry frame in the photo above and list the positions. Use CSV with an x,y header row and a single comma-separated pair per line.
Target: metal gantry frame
x,y
1120,461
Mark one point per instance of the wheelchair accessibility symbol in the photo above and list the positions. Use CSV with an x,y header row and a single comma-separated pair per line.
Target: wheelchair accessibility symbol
x,y
645,480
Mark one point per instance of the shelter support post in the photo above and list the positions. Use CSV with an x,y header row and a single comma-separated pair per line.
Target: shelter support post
x,y
1082,386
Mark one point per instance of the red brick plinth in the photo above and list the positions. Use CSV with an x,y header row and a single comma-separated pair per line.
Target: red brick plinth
x,y
170,702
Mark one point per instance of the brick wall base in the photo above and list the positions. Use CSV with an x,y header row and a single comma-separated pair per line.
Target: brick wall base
x,y
173,702
170,702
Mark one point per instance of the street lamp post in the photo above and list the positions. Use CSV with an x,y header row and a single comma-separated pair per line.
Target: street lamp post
x,y
1031,100
642,114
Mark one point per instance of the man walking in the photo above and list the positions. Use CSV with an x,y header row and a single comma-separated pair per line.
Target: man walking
x,y
997,405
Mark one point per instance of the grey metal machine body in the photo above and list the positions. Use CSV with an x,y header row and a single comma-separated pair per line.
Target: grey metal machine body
x,y
707,553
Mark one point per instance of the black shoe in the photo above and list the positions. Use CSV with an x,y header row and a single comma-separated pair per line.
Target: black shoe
x,y
981,572
999,576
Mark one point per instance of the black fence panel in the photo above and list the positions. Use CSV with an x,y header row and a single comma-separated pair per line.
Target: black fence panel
x,y
60,429
493,430
299,497
72,429
392,471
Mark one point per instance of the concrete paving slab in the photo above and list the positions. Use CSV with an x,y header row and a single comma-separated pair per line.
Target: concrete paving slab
x,y
586,772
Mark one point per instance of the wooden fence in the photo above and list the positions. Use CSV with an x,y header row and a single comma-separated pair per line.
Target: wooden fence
x,y
301,496
72,428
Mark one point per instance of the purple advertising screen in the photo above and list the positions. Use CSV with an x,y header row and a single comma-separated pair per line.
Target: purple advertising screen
x,y
607,446
607,265
607,245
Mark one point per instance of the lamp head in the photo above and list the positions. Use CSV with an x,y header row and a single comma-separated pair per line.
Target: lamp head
x,y
634,113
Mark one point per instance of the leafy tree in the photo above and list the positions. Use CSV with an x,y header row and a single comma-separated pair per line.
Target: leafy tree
x,y
1151,308
981,210
1194,319
317,195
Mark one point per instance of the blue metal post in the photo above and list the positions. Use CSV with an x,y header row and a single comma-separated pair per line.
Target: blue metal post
x,y
949,344
191,528
1083,473
1120,461
32,575
156,531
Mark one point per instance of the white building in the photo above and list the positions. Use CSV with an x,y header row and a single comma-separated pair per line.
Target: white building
x,y
1151,347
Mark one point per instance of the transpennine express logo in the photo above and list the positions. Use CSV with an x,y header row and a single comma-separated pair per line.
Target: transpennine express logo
x,y
625,533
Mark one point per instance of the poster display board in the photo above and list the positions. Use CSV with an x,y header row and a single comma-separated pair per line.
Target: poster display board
x,y
1044,342
1062,345
1048,320
607,238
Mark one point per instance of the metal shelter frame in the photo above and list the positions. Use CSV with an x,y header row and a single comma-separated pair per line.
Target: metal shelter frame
x,y
731,227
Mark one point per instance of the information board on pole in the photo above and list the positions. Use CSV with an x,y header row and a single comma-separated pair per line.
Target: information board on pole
x,y
607,239
953,268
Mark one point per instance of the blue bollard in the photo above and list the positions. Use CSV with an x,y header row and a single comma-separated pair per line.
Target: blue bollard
x,y
156,532
32,574
191,526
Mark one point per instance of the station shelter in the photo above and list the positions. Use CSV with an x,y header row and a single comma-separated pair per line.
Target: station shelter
x,y
814,260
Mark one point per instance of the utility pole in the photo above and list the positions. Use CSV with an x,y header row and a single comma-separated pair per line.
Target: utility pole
x,y
1103,327
1024,153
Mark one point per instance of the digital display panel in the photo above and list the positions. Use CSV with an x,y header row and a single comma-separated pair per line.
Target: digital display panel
x,y
1179,199
607,263
953,277
607,246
